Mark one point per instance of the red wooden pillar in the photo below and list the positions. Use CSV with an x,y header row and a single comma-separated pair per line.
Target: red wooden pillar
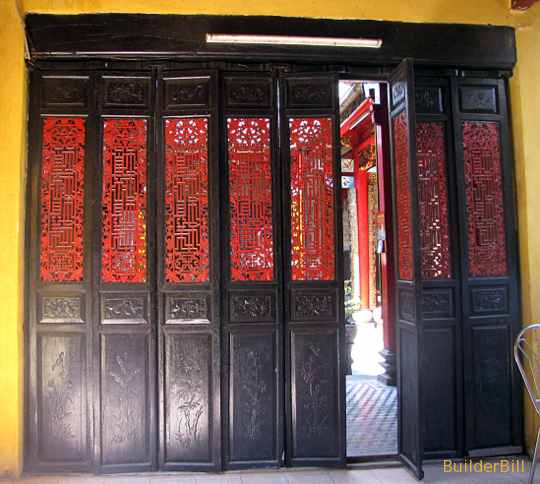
x,y
362,210
387,266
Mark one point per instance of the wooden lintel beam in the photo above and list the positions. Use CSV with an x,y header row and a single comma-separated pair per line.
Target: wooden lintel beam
x,y
522,4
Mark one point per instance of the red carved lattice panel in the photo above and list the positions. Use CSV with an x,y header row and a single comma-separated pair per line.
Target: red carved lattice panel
x,y
186,200
484,198
433,201
123,257
62,199
312,199
250,199
403,196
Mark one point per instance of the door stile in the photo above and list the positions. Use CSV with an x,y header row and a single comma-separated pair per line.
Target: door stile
x,y
409,289
251,272
314,313
124,280
189,293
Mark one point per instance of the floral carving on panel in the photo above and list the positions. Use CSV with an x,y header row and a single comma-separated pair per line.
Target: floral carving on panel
x,y
254,390
124,416
315,400
59,395
188,395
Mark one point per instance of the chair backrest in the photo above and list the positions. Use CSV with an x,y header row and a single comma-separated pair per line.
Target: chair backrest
x,y
527,356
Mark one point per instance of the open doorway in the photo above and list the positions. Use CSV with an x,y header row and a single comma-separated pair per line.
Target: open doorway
x,y
371,393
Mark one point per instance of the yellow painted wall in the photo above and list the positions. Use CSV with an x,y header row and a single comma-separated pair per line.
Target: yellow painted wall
x,y
525,97
462,11
12,173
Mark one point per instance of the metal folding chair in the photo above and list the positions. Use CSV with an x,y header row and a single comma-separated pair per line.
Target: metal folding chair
x,y
527,356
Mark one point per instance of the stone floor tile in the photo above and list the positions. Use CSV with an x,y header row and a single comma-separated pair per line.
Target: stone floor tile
x,y
125,479
178,479
394,475
274,477
80,480
308,477
40,480
218,479
354,476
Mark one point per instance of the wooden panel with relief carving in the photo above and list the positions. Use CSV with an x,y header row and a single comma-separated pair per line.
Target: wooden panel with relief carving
x,y
124,401
62,405
314,377
253,404
188,406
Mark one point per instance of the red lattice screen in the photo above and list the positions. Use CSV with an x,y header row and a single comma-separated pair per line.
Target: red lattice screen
x,y
312,199
484,197
433,201
124,202
403,196
186,200
250,199
62,199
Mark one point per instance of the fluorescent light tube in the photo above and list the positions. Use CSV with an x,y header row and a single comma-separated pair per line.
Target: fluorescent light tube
x,y
292,40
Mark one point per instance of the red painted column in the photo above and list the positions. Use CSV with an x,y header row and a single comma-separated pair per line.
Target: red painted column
x,y
387,273
387,261
361,186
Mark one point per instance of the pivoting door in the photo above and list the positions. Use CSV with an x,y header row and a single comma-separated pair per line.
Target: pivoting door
x,y
313,284
252,273
188,271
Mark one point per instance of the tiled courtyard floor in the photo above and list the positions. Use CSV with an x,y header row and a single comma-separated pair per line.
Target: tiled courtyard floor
x,y
388,475
371,417
371,405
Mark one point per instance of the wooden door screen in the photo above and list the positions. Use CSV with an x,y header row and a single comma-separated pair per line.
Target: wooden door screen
x,y
185,307
185,300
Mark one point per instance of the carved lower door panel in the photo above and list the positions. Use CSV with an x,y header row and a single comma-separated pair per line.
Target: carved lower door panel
x,y
315,382
125,406
187,404
253,385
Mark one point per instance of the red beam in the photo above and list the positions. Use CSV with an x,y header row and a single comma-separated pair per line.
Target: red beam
x,y
359,113
522,4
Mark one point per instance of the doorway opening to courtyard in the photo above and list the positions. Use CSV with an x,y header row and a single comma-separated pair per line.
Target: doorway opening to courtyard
x,y
371,392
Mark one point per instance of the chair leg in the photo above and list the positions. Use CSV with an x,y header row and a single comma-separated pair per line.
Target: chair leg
x,y
533,463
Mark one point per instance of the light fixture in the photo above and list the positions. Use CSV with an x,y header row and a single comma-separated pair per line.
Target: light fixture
x,y
293,40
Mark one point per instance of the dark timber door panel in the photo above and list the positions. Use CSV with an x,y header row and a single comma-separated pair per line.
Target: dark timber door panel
x,y
441,370
313,272
59,305
252,302
188,271
409,289
491,312
124,276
